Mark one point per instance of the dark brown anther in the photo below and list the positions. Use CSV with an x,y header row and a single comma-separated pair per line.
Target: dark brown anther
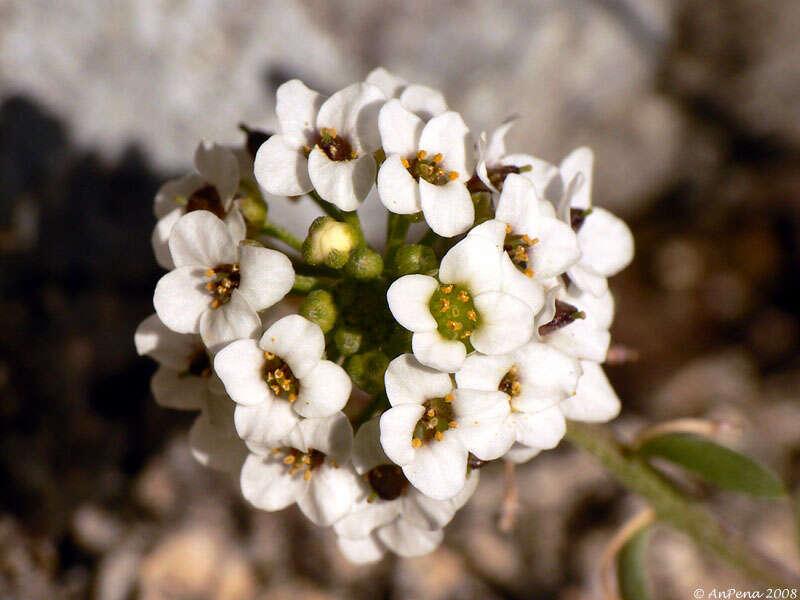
x,y
388,481
206,198
577,216
565,314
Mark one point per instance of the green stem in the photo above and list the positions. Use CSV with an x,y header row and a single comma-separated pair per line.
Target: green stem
x,y
676,510
429,239
305,283
396,231
328,208
281,233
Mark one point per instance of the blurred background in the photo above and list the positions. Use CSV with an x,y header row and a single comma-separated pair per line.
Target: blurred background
x,y
693,110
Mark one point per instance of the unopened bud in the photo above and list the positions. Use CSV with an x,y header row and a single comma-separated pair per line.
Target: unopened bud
x,y
364,264
414,258
320,308
348,340
367,370
329,242
254,211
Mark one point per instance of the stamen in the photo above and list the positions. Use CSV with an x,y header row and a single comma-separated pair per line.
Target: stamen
x,y
472,315
416,442
405,163
439,436
437,158
452,175
529,272
210,272
307,475
463,296
421,154
448,398
446,289
452,424
289,460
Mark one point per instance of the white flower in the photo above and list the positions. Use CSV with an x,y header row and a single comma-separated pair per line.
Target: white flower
x,y
280,378
212,187
213,439
577,323
308,466
325,145
535,379
217,286
595,400
421,100
479,301
427,167
606,242
431,428
184,377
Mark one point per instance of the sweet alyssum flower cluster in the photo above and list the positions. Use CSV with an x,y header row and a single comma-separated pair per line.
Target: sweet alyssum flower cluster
x,y
369,383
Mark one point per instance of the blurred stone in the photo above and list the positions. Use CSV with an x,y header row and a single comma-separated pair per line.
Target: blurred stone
x,y
95,529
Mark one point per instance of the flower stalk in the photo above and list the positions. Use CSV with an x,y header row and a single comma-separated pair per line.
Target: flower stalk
x,y
274,230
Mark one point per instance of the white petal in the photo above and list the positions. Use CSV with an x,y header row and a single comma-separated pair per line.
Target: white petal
x,y
582,338
281,168
180,298
201,239
543,429
266,276
160,237
606,243
428,513
448,135
333,436
505,323
546,376
424,101
404,539
240,366
365,516
400,129
556,250
367,450
483,424
409,382
235,223
156,340
389,83
522,287
296,108
331,492
296,340
439,469
398,190
265,424
521,454
174,189
544,176
518,202
482,372
216,447
397,431
232,321
353,112
493,230
580,161
600,309
324,391
361,551
344,183
474,263
219,167
587,280
448,208
267,485
172,390
496,148
408,299
434,351
595,399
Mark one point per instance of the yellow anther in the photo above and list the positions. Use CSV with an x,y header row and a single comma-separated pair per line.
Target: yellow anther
x,y
452,175
292,398
534,241
335,464
439,436
215,304
508,229
437,158
331,131
458,326
452,424
353,154
405,162
289,460
472,315
278,373
269,355
526,238
210,286
452,325
294,470
431,412
421,154
274,450
445,305
416,442
466,334
306,459
529,272
307,475
463,296
448,398
210,272
446,289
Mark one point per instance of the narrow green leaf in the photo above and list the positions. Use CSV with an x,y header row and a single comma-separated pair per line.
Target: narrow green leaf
x,y
716,464
632,577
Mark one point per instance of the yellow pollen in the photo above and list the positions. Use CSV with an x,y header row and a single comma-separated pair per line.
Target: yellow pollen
x,y
292,398
508,229
445,304
269,355
526,238
278,373
437,158
529,272
452,175
354,154
210,286
448,398
307,475
463,295
210,272
416,442
452,424
421,154
405,162
215,304
439,436
446,289
472,315
289,459
431,412
306,459
274,450
466,334
335,464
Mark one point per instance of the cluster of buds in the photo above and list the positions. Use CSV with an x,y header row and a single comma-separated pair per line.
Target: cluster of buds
x,y
367,377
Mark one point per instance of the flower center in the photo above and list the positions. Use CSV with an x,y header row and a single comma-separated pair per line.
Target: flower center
x,y
452,307
437,418
224,279
518,247
429,169
565,314
298,461
387,481
206,198
199,364
577,216
279,377
335,146
510,384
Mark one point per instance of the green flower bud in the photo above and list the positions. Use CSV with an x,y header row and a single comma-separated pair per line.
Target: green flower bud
x,y
367,370
348,340
364,264
320,308
483,207
414,258
252,205
329,242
